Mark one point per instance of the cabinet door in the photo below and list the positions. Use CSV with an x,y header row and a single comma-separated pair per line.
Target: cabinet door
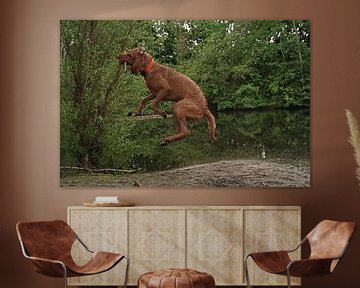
x,y
214,244
156,240
269,230
101,230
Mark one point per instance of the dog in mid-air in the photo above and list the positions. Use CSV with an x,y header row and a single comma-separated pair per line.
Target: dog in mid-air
x,y
166,84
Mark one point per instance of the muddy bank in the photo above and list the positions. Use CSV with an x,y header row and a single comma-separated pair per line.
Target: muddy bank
x,y
230,173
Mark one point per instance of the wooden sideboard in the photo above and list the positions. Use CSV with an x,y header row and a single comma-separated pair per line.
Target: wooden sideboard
x,y
211,239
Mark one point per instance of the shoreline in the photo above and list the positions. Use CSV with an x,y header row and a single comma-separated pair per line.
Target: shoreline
x,y
247,173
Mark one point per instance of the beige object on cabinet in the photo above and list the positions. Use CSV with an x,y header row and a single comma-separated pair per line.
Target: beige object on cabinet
x,y
210,239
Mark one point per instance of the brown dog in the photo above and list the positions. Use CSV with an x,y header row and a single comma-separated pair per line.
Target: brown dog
x,y
166,84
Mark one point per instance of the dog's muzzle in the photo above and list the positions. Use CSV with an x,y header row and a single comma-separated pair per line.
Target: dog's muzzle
x,y
123,58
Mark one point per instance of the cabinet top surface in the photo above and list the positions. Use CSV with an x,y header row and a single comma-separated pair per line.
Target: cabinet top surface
x,y
192,207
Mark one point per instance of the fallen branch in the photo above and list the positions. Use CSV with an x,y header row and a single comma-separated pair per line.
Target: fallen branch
x,y
105,170
150,117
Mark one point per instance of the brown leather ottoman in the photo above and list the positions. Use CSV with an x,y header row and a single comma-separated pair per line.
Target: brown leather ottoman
x,y
176,278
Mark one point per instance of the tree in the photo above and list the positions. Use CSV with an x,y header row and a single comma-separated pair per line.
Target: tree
x,y
89,82
255,64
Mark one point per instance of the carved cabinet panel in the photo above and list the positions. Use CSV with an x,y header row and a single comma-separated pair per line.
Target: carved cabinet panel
x,y
156,240
210,239
214,241
268,230
100,230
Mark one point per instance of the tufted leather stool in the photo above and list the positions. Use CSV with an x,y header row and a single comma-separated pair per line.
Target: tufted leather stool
x,y
176,278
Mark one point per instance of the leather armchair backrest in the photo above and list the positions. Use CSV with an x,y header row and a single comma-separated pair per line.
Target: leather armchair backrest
x,y
47,239
329,239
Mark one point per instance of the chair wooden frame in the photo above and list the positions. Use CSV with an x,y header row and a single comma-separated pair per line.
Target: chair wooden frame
x,y
57,268
318,263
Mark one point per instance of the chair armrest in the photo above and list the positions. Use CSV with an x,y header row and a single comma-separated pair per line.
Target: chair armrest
x,y
49,267
84,245
46,260
271,261
298,246
309,267
281,251
268,253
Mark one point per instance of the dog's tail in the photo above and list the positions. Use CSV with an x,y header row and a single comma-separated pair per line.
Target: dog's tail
x,y
211,125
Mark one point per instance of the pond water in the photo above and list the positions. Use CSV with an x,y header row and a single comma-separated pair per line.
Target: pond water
x,y
281,135
272,134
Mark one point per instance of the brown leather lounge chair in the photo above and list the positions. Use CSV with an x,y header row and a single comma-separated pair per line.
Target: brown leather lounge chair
x,y
328,242
48,245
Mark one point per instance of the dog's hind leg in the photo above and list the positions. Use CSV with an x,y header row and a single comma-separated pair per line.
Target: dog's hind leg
x,y
182,110
181,129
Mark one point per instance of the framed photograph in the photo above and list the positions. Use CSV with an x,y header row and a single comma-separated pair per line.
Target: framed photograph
x,y
185,103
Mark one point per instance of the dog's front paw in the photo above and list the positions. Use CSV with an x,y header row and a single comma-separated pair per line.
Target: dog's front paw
x,y
164,142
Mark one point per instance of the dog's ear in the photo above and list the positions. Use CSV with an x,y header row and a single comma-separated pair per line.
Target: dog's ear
x,y
142,50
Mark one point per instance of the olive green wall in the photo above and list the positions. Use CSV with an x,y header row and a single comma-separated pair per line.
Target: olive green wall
x,y
29,119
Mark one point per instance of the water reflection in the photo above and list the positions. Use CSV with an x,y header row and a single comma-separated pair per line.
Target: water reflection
x,y
284,134
280,134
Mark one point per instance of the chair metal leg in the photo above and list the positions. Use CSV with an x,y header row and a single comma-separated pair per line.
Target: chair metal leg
x,y
288,278
246,272
65,275
127,271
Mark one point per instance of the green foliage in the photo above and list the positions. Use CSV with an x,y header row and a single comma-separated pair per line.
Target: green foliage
x,y
265,63
238,64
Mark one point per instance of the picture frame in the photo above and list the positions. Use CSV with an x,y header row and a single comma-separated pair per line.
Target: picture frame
x,y
255,75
